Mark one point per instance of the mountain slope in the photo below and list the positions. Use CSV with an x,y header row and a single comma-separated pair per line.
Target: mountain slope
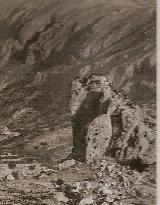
x,y
45,45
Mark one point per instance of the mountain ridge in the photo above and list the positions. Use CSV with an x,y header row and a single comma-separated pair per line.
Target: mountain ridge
x,y
41,42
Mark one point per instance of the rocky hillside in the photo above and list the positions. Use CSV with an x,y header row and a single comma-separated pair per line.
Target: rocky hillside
x,y
44,45
63,65
107,128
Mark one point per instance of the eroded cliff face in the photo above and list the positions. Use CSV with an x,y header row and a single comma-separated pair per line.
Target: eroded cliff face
x,y
106,122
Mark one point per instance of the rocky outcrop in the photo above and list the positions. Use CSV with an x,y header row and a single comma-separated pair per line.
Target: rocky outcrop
x,y
107,123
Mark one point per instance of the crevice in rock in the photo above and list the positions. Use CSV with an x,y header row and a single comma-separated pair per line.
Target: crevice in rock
x,y
138,165
117,129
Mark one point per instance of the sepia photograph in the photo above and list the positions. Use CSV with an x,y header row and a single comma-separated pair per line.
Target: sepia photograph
x,y
78,102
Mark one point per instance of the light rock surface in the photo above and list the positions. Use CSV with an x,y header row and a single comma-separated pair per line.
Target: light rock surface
x,y
5,172
98,137
66,164
85,201
61,198
107,123
7,134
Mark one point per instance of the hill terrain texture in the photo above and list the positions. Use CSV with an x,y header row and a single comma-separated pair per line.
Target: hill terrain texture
x,y
78,102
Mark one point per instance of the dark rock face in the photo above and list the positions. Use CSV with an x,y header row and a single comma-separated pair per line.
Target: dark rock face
x,y
108,123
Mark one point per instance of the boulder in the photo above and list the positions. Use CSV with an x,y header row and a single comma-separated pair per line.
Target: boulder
x,y
66,164
60,197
